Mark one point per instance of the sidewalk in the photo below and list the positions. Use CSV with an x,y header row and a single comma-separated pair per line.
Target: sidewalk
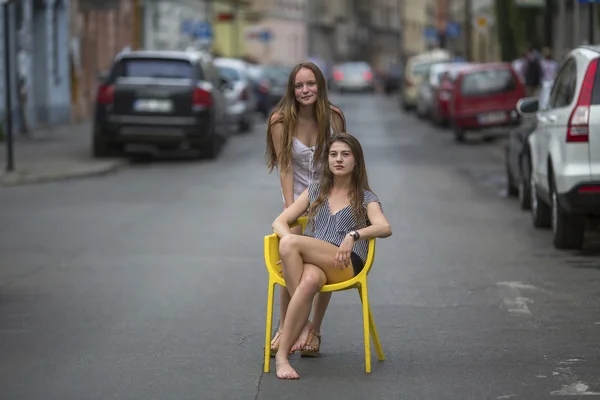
x,y
54,154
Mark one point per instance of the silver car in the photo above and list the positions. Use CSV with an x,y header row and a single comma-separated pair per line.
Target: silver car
x,y
353,76
241,100
428,88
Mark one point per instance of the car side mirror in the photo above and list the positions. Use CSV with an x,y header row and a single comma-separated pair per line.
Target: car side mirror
x,y
528,106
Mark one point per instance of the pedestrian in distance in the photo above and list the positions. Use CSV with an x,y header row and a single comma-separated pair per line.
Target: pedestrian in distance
x,y
343,214
297,134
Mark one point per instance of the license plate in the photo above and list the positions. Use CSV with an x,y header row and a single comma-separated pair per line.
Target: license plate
x,y
153,105
492,118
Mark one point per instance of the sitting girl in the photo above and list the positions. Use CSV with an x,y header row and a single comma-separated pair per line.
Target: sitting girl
x,y
343,214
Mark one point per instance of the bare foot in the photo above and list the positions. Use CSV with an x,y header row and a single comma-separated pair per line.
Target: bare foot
x,y
303,338
284,370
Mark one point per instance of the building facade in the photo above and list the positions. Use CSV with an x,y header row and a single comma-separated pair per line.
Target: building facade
x,y
276,32
99,30
386,34
39,64
419,26
176,24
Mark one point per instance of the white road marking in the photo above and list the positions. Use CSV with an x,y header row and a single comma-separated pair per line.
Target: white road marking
x,y
575,389
511,295
508,396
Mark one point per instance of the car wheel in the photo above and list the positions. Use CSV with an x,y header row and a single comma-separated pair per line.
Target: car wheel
x,y
568,230
540,211
524,187
246,125
459,133
511,188
100,147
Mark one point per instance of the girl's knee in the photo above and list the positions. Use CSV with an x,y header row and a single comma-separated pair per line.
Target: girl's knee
x,y
313,280
287,244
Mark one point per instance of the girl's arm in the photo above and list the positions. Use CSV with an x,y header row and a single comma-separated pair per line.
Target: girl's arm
x,y
379,228
286,176
281,225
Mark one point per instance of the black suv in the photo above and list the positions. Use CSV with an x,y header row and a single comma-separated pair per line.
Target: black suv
x,y
154,101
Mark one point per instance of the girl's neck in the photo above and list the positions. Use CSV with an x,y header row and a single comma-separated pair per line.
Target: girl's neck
x,y
342,184
306,112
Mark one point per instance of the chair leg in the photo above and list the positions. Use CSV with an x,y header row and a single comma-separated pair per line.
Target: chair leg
x,y
269,327
364,297
375,336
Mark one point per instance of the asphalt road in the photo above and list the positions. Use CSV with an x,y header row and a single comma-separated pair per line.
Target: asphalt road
x,y
150,283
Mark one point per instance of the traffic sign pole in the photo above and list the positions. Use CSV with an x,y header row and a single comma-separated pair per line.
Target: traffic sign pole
x,y
7,90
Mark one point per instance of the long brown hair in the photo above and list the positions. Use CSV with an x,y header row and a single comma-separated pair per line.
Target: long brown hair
x,y
286,112
359,181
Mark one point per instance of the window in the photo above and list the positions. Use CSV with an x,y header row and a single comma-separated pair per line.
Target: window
x,y
154,68
564,89
488,82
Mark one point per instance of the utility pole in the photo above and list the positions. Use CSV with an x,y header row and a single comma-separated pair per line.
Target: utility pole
x,y
592,22
468,30
7,87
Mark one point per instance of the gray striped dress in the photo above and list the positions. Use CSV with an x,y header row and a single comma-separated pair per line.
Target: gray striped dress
x,y
334,228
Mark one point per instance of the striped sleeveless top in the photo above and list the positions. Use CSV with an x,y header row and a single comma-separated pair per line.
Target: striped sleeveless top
x,y
334,228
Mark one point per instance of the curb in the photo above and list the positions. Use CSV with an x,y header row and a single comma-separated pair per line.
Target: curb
x,y
19,178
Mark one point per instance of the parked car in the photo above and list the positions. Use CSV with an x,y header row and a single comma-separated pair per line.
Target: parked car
x,y
485,96
417,69
392,79
440,107
278,76
261,87
518,153
353,76
241,100
428,88
153,101
565,151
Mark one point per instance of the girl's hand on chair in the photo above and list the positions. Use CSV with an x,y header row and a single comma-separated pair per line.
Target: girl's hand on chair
x,y
342,258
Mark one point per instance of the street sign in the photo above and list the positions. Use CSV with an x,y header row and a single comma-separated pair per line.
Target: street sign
x,y
453,29
266,36
203,31
482,22
588,1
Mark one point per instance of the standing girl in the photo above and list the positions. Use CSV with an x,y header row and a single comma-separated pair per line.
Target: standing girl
x,y
298,132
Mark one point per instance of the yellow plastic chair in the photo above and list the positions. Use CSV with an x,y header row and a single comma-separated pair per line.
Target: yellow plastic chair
x,y
358,282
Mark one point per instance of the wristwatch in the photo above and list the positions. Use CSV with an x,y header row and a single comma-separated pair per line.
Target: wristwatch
x,y
355,235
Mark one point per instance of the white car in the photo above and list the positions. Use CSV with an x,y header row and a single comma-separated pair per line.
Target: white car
x,y
241,100
565,150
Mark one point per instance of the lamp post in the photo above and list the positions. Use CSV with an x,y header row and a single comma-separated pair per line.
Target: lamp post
x,y
7,87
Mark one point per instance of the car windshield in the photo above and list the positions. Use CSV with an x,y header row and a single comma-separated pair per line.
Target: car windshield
x,y
154,68
354,67
487,82
423,69
231,74
278,74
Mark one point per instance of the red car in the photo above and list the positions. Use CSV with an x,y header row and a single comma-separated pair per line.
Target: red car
x,y
485,96
440,107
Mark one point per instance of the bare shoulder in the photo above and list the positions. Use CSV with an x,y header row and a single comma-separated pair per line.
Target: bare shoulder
x,y
276,123
338,119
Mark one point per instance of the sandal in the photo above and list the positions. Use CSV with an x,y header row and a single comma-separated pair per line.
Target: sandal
x,y
275,347
313,350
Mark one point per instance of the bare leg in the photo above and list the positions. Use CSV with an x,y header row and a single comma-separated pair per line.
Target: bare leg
x,y
308,264
284,300
313,278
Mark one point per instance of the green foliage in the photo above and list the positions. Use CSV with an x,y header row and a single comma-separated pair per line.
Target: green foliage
x,y
518,28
